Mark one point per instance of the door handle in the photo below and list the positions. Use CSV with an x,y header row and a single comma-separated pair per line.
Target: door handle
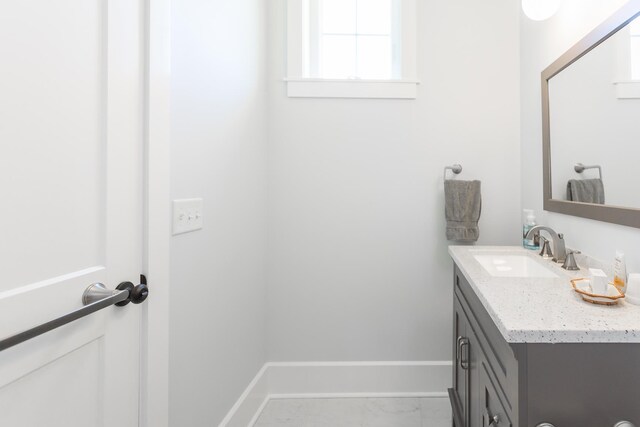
x,y
137,293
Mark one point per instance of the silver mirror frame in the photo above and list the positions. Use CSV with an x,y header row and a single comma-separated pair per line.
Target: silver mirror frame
x,y
613,214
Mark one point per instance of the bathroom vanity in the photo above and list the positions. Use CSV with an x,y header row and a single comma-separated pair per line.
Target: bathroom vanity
x,y
528,350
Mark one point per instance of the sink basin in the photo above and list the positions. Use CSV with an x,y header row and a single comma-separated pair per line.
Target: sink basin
x,y
513,266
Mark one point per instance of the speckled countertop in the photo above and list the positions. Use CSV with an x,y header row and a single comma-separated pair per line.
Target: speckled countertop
x,y
545,310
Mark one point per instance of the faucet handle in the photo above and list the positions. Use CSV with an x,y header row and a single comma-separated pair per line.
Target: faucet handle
x,y
570,262
546,252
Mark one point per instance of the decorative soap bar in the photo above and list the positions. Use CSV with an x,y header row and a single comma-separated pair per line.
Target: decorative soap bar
x,y
599,281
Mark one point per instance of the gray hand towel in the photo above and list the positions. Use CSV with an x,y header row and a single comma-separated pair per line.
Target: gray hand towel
x,y
586,191
463,205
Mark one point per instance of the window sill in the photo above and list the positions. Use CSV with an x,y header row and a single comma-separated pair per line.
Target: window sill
x,y
372,89
628,89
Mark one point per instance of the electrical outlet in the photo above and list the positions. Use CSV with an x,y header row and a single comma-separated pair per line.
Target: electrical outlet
x,y
187,215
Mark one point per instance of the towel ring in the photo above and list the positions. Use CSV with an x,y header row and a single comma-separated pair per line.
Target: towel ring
x,y
579,168
456,169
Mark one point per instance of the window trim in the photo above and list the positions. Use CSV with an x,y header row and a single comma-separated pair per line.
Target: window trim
x,y
625,86
298,49
627,89
634,33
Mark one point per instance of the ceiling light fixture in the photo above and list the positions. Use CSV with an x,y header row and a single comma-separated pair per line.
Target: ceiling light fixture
x,y
539,10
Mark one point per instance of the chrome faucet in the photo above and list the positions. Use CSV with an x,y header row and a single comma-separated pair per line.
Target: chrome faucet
x,y
559,249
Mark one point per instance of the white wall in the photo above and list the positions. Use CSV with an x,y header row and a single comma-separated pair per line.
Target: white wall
x,y
541,44
358,264
218,152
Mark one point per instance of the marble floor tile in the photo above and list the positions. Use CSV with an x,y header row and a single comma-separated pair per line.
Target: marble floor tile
x,y
335,412
356,412
284,413
392,412
436,412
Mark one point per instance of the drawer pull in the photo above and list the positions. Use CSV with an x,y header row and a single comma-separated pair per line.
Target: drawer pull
x,y
545,425
464,356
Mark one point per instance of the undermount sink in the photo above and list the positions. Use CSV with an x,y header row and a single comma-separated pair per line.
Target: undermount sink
x,y
503,265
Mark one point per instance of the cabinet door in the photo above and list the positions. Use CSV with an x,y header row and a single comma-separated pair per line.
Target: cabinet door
x,y
459,395
493,411
476,360
463,355
466,399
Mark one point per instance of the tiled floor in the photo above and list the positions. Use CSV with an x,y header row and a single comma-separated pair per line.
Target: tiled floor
x,y
356,412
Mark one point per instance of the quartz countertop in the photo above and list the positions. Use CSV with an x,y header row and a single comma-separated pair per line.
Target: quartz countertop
x,y
545,310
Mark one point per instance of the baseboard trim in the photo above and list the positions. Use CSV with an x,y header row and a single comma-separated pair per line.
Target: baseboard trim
x,y
313,380
255,417
252,401
359,364
353,395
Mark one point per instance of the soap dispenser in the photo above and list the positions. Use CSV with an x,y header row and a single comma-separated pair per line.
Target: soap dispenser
x,y
530,221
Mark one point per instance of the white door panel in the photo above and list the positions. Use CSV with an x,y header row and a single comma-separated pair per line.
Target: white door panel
x,y
52,108
76,402
71,212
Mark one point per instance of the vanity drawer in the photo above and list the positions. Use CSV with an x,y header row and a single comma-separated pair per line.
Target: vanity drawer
x,y
500,362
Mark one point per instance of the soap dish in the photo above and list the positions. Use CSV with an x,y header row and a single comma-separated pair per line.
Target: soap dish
x,y
583,287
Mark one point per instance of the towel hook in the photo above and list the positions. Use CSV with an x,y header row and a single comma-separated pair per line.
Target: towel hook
x,y
456,169
579,168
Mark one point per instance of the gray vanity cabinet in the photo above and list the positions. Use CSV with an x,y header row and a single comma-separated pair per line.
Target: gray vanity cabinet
x,y
497,384
477,397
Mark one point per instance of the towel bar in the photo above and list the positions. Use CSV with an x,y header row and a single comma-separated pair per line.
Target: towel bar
x,y
456,169
579,168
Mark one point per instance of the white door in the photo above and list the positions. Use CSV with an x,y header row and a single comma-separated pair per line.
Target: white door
x,y
71,211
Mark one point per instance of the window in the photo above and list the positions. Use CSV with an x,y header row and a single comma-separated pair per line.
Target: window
x,y
627,78
351,48
356,39
634,28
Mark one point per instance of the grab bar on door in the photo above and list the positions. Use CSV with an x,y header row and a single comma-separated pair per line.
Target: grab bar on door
x,y
95,298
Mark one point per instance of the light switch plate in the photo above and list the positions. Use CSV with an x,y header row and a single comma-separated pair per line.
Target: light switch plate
x,y
187,215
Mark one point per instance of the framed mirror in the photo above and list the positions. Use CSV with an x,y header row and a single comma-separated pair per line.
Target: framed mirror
x,y
591,124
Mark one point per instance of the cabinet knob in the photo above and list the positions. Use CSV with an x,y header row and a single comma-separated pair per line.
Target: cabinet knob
x,y
492,420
